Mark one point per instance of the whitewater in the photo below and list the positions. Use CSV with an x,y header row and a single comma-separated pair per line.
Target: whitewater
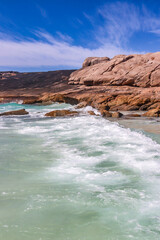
x,y
77,178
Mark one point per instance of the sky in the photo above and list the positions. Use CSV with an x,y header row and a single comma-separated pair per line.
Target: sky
x,y
45,35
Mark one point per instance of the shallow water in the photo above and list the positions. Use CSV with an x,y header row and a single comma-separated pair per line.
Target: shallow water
x,y
77,178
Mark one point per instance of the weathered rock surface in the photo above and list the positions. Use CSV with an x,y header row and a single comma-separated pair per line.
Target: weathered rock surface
x,y
61,113
16,112
140,70
94,60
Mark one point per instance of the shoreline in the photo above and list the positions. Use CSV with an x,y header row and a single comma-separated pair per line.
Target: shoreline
x,y
147,124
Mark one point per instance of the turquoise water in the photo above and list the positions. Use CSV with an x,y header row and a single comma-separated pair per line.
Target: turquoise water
x,y
77,178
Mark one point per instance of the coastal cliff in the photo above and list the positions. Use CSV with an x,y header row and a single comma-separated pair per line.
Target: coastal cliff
x,y
123,83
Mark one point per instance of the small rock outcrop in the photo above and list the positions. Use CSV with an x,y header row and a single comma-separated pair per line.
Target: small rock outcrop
x,y
117,115
61,113
105,113
16,112
152,113
82,105
91,113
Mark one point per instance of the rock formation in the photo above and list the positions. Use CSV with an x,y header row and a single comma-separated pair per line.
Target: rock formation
x,y
141,70
152,113
123,83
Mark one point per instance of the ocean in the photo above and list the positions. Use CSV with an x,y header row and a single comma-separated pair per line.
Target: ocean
x,y
78,178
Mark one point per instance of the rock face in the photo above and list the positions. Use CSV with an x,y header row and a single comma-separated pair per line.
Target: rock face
x,y
141,70
122,83
61,113
17,112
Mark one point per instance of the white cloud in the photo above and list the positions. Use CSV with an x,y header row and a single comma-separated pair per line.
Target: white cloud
x,y
50,52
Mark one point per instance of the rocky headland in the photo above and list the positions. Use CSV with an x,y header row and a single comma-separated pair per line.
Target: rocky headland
x,y
123,83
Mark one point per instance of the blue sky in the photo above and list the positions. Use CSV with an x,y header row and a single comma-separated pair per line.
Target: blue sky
x,y
42,35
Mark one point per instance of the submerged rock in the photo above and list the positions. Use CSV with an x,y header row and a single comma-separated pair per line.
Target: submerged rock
x,y
61,113
16,112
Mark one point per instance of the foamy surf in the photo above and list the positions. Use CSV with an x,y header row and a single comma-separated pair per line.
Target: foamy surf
x,y
80,177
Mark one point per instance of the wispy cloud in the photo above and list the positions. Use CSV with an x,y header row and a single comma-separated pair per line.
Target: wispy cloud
x,y
156,31
119,22
51,52
89,18
42,11
64,37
